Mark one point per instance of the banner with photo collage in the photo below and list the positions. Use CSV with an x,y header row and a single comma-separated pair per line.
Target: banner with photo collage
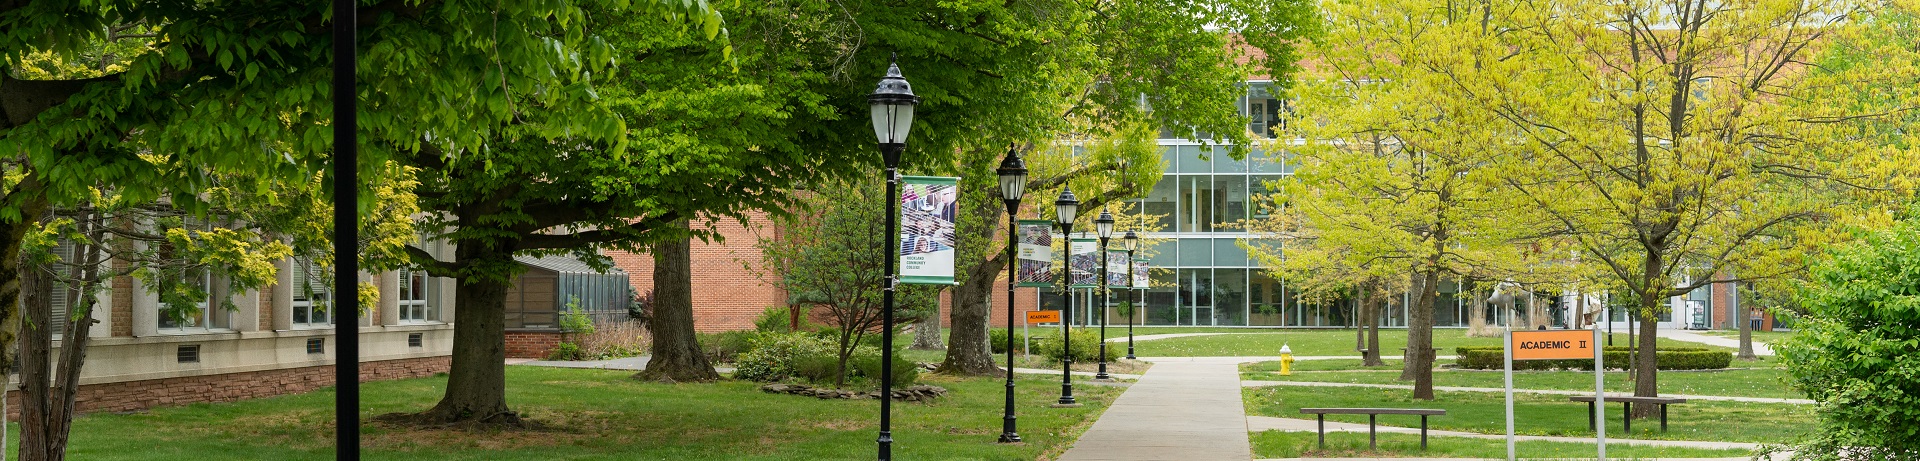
x,y
1082,261
927,210
1036,252
1140,279
1117,264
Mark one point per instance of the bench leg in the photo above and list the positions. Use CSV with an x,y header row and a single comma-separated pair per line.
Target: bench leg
x,y
1628,421
1423,432
1590,416
1371,444
1323,431
1663,417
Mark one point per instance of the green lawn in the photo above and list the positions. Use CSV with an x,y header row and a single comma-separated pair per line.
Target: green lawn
x,y
1277,444
1753,382
1485,412
1306,342
599,415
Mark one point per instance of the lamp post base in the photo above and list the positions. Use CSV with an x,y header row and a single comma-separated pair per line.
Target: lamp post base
x,y
1102,374
1064,405
1009,437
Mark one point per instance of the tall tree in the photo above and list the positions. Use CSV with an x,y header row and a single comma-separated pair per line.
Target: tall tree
x,y
1663,142
1391,177
1107,67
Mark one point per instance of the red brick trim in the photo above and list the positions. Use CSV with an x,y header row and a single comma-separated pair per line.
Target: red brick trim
x,y
228,387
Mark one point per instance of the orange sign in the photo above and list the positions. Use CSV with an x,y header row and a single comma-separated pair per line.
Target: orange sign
x,y
1552,344
1043,316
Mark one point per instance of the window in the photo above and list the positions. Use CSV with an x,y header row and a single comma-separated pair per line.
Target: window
x,y
60,293
414,303
207,314
311,295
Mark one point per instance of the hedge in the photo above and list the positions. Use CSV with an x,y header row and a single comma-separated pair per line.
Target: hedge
x,y
1616,358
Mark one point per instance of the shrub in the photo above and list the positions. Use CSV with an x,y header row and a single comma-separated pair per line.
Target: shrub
x,y
818,369
997,340
613,340
725,347
779,319
774,356
566,351
1615,358
1086,346
905,372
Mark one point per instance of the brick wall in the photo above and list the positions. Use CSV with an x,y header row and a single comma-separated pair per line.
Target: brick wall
x,y
729,290
228,387
531,344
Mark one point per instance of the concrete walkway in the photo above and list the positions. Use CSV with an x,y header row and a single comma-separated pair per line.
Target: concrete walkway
x,y
1721,398
1187,409
1777,458
1759,348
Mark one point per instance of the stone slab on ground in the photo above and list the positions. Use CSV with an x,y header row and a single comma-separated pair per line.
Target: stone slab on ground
x,y
1177,410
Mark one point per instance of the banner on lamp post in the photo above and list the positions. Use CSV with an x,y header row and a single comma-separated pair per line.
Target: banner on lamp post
x,y
1140,279
1036,253
1117,264
1082,262
927,210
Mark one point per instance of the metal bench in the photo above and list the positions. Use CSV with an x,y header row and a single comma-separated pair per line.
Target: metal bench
x,y
1372,416
1627,403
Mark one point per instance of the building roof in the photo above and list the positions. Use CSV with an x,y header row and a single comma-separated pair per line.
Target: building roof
x,y
565,264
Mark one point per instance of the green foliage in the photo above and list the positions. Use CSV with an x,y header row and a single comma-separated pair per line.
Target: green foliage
x,y
818,369
726,346
567,351
778,319
1854,349
997,340
905,372
775,356
574,320
1086,346
1614,358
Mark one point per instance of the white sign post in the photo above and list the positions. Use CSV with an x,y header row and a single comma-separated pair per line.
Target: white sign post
x,y
1559,345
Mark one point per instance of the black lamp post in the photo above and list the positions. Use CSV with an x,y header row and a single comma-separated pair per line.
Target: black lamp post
x,y
1103,225
1131,241
892,103
1013,184
1064,209
346,225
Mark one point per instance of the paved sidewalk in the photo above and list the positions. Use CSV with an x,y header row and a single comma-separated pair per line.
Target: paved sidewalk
x,y
1721,398
1759,348
1458,459
1188,409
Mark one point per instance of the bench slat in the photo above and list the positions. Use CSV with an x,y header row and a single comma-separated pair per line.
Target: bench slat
x,y
1373,411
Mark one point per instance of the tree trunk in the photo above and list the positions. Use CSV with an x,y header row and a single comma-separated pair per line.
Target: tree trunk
x,y
32,206
1373,334
1743,317
1420,355
1646,379
676,351
35,362
926,333
966,340
477,384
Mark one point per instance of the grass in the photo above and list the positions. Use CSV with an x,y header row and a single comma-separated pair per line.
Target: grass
x,y
599,414
1485,412
1306,342
1753,382
1278,444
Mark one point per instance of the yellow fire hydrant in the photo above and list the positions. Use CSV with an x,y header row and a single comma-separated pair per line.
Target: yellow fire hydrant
x,y
1286,360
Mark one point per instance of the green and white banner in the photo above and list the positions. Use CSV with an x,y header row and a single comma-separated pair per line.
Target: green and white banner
x,y
927,210
1082,262
1117,264
1140,280
1036,253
